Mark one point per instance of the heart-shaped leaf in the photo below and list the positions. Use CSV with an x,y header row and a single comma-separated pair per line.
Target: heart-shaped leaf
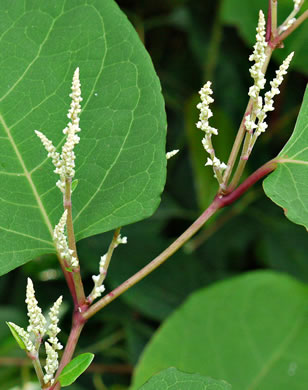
x,y
75,368
121,156
175,379
251,331
287,185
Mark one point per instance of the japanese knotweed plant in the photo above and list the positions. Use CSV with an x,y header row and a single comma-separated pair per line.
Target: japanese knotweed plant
x,y
122,164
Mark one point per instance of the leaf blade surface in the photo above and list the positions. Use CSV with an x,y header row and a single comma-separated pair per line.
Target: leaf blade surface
x,y
120,161
287,185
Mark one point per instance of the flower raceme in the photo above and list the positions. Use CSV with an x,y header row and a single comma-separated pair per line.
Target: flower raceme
x,y
37,329
255,121
61,244
203,124
65,162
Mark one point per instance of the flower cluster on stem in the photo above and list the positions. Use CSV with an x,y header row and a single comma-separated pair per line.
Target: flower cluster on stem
x,y
52,344
258,56
60,240
291,19
65,163
37,329
37,322
298,4
98,280
255,121
203,124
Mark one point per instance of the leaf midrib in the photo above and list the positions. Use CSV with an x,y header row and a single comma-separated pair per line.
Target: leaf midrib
x,y
27,176
275,356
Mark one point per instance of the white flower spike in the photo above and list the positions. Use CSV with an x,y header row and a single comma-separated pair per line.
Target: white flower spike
x,y
258,56
65,163
53,328
203,124
37,322
98,280
51,363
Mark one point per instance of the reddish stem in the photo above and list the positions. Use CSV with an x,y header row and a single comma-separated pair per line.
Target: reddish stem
x,y
78,324
269,22
250,181
219,202
70,282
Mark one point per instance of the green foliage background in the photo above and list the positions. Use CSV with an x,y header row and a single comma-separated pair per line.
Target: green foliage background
x,y
189,41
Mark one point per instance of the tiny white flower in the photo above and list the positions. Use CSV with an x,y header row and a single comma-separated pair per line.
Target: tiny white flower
x,y
121,240
289,24
102,263
249,124
297,4
208,162
207,145
261,128
171,154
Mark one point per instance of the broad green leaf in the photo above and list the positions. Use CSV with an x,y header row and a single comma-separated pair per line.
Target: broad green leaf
x,y
251,331
120,159
173,379
287,185
75,368
245,18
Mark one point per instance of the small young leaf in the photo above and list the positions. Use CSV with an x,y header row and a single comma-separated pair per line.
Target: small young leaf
x,y
16,336
74,184
173,378
75,368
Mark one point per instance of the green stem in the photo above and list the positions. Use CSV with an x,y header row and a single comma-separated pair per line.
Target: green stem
x,y
80,295
236,145
38,370
242,162
273,18
109,254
